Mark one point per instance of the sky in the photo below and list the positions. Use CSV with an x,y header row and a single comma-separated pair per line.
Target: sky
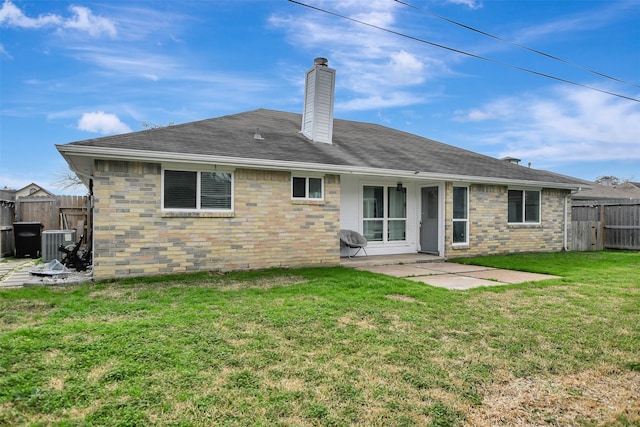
x,y
553,83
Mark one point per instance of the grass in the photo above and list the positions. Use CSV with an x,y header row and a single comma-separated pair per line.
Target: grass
x,y
328,347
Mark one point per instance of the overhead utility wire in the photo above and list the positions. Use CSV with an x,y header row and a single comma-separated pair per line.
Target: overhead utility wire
x,y
517,44
461,51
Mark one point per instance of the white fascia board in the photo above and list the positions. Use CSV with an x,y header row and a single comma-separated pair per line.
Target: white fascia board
x,y
281,165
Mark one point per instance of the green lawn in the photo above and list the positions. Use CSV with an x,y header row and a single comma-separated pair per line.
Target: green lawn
x,y
329,346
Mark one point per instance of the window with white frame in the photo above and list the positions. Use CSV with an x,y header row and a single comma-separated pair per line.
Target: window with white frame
x,y
384,213
304,187
460,215
524,206
197,190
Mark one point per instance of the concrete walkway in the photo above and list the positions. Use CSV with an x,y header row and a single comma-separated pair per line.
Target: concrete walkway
x,y
14,273
435,271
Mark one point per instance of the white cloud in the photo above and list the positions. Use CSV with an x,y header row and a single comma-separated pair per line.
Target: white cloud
x,y
568,126
407,68
4,53
136,22
102,122
471,4
132,61
373,102
583,21
501,109
377,69
12,16
82,19
473,115
140,63
152,77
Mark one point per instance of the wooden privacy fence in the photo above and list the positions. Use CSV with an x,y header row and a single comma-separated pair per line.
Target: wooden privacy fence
x,y
7,213
56,213
598,225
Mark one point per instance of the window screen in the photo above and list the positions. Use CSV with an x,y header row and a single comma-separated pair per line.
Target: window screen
x,y
180,189
524,206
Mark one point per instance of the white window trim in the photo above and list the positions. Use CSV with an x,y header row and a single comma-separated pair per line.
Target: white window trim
x,y
466,220
524,221
198,170
306,176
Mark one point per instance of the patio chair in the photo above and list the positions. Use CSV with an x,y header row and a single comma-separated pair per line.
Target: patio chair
x,y
353,240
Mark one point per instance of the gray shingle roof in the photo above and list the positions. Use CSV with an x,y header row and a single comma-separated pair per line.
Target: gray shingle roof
x,y
355,144
619,192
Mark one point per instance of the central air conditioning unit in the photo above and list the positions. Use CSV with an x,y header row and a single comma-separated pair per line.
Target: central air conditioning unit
x,y
51,241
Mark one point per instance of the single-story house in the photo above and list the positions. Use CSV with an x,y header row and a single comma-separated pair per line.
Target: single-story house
x,y
268,188
599,192
33,190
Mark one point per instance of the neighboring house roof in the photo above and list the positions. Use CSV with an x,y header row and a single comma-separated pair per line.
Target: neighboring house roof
x,y
357,147
33,190
601,192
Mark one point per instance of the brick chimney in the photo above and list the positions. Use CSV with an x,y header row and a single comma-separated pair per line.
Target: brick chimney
x,y
317,116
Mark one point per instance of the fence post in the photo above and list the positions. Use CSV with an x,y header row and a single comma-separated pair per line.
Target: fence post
x,y
602,239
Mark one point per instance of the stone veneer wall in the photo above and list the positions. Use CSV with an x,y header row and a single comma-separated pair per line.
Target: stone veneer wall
x,y
489,231
132,236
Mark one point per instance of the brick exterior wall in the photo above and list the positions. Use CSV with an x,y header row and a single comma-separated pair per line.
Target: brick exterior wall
x,y
489,231
133,237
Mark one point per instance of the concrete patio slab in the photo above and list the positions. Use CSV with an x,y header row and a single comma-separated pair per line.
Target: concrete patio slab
x,y
451,267
398,270
510,276
454,281
450,275
429,271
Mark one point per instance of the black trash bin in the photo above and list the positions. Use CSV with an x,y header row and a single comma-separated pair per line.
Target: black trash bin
x,y
28,237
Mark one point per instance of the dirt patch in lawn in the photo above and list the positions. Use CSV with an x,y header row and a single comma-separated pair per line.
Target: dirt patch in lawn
x,y
24,313
593,397
400,297
262,283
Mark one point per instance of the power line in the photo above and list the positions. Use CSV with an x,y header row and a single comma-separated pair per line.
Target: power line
x,y
484,33
462,52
